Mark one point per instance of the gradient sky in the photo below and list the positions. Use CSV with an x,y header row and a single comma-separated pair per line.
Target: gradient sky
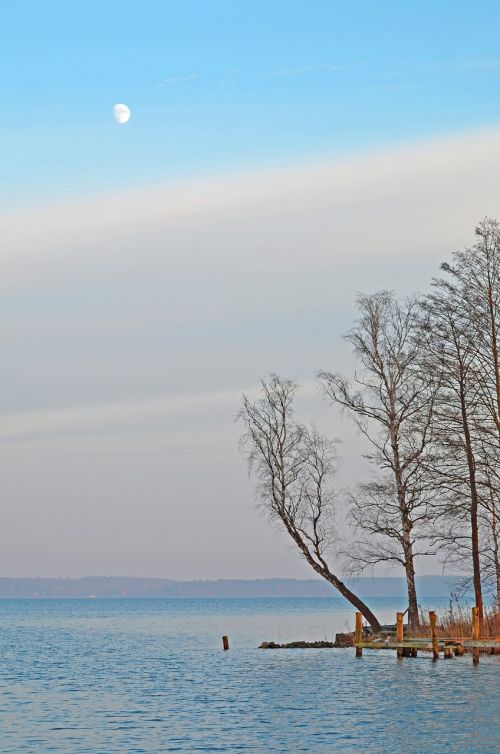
x,y
280,158
223,85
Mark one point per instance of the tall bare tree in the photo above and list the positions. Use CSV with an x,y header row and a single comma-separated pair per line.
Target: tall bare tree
x,y
391,403
451,354
471,294
293,465
477,272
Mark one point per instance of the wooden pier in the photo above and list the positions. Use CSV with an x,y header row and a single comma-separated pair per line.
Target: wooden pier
x,y
409,646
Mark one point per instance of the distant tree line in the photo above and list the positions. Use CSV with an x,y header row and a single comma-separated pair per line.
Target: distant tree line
x,y
426,398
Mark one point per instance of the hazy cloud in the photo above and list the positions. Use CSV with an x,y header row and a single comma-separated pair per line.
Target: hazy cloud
x,y
131,322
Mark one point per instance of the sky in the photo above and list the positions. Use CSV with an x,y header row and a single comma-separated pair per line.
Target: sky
x,y
221,86
280,158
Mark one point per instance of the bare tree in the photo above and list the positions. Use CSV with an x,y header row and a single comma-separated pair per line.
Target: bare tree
x,y
451,354
477,273
293,466
391,404
465,333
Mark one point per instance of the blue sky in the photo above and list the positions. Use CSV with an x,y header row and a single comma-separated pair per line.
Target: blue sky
x,y
220,86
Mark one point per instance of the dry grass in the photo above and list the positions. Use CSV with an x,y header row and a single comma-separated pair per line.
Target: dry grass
x,y
456,623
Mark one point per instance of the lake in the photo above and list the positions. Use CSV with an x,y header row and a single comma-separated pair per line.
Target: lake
x,y
149,675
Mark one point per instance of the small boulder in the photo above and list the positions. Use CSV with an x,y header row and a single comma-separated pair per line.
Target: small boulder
x,y
344,640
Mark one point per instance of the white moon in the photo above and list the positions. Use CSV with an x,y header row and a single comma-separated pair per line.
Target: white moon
x,y
121,113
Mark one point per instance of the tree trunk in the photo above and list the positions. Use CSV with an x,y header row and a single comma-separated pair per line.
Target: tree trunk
x,y
325,572
471,464
354,600
413,616
478,594
406,523
496,555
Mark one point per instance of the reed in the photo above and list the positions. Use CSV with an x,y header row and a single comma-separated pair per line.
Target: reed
x,y
456,622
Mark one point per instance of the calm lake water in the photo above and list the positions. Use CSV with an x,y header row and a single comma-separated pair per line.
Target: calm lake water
x,y
139,675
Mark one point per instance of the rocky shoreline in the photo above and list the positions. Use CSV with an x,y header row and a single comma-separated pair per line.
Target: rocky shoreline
x,y
342,641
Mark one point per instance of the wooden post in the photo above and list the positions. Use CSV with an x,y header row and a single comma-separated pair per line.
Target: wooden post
x,y
435,645
448,653
399,634
225,643
475,634
358,636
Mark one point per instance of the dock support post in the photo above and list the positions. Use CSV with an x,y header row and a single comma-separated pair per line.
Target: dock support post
x,y
225,643
448,653
475,634
358,636
435,645
399,634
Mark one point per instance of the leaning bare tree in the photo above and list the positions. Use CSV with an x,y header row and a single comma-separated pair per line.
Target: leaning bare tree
x,y
391,404
293,465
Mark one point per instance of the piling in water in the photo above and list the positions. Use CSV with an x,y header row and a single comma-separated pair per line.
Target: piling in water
x,y
435,644
475,634
359,634
399,634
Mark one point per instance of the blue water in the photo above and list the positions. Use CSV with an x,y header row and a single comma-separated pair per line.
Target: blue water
x,y
124,675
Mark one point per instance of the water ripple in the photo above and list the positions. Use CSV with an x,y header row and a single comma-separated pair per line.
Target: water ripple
x,y
149,676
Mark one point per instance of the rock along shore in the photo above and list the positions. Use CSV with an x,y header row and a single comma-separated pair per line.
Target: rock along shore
x,y
341,642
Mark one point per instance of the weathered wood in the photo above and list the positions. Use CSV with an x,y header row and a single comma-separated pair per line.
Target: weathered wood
x,y
399,627
425,644
399,634
450,646
358,637
225,643
475,634
435,644
482,643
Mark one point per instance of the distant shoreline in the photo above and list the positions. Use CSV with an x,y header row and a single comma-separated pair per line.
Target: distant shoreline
x,y
96,587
